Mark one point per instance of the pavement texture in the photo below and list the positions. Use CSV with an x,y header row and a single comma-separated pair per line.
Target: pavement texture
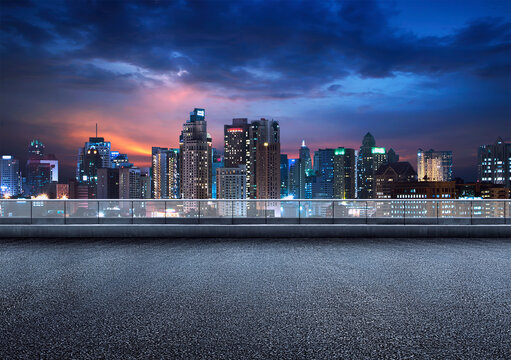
x,y
207,299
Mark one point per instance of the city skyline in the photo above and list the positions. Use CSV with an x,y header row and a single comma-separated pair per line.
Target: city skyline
x,y
329,72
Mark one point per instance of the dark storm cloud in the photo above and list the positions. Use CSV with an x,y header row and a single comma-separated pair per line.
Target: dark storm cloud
x,y
251,46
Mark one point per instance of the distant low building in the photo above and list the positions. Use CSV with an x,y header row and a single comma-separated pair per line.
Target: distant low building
x,y
389,174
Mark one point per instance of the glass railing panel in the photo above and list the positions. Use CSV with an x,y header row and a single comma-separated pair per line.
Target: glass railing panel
x,y
255,209
385,209
149,209
316,209
115,209
419,209
47,209
486,209
176,209
285,209
15,209
346,209
216,209
82,209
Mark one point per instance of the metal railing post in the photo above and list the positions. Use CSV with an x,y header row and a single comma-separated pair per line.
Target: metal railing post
x,y
299,212
132,211
65,202
266,211
437,210
98,211
31,215
165,210
404,212
471,211
366,212
232,211
333,212
198,201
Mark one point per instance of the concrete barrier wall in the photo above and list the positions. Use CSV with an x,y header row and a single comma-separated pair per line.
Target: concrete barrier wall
x,y
255,231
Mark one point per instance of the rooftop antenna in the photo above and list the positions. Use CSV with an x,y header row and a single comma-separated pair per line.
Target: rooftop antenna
x,y
96,129
303,143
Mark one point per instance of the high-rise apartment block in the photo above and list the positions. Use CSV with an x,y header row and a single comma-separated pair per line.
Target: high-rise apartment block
x,y
284,175
345,174
165,169
434,165
195,158
232,184
10,176
370,158
494,163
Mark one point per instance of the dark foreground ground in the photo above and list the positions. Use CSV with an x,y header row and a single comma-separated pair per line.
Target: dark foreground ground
x,y
315,299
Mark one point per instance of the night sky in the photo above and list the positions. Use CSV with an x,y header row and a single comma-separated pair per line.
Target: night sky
x,y
429,74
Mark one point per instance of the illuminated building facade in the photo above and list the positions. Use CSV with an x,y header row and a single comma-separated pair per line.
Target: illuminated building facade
x,y
370,158
165,170
232,184
195,158
265,159
391,173
324,170
284,175
237,146
345,173
494,163
10,176
434,165
305,165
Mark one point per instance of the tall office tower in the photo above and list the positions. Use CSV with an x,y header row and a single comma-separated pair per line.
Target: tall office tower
x,y
324,169
264,159
294,178
92,161
232,184
494,163
36,149
284,175
41,171
195,155
145,183
165,169
218,162
264,166
345,174
305,164
101,147
10,176
129,183
370,158
108,183
390,174
119,160
237,146
434,165
392,156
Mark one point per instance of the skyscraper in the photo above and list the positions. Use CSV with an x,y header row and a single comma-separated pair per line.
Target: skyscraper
x,y
305,165
165,169
41,169
10,176
195,155
494,163
345,174
232,184
294,178
237,146
284,175
324,169
218,162
370,158
264,159
434,165
92,161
